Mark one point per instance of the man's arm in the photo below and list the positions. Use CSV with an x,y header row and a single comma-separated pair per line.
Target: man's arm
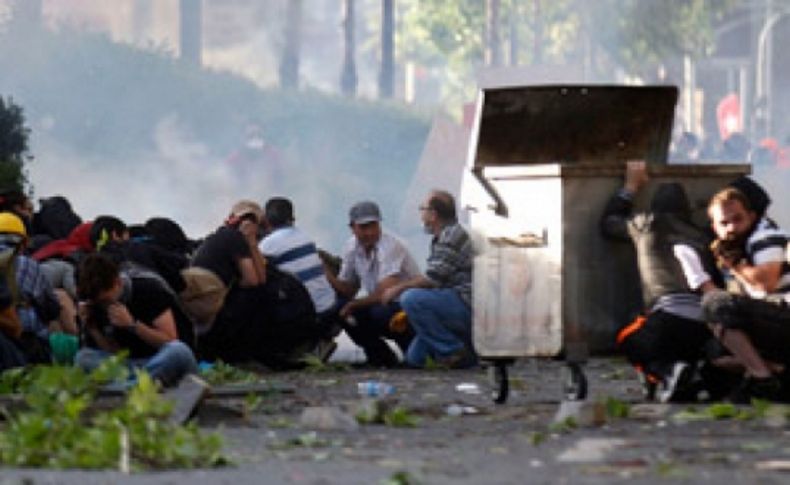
x,y
344,288
614,220
161,331
371,299
693,270
252,268
761,277
393,292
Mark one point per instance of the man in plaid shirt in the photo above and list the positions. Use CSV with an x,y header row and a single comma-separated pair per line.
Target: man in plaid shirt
x,y
438,303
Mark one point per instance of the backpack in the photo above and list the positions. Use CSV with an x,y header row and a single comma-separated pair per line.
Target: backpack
x,y
289,299
55,218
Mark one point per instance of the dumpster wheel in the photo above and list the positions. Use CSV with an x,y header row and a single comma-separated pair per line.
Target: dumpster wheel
x,y
499,380
575,382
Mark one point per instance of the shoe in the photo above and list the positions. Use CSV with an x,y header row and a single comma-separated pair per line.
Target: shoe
x,y
460,359
767,388
325,349
677,385
649,385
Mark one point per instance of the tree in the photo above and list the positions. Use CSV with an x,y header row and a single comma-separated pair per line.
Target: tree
x,y
191,33
13,146
348,77
640,35
493,48
289,63
387,74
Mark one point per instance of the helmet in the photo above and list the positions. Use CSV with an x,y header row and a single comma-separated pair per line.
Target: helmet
x,y
12,224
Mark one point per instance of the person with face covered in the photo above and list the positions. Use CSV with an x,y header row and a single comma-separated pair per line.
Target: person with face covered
x,y
373,260
754,323
675,269
227,258
121,312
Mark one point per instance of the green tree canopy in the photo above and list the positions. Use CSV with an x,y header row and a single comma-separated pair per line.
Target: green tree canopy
x,y
13,145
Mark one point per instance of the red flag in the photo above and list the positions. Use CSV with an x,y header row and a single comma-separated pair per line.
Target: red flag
x,y
728,115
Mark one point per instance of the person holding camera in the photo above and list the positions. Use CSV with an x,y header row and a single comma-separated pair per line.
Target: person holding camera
x,y
119,312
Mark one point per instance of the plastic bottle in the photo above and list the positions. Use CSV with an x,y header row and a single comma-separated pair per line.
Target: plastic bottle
x,y
374,388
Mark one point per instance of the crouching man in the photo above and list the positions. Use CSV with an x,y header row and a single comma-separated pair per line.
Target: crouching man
x,y
439,303
135,314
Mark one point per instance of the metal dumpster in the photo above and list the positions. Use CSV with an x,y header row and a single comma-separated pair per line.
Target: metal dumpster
x,y
544,160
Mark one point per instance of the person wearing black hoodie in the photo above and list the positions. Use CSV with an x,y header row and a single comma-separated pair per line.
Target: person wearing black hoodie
x,y
675,268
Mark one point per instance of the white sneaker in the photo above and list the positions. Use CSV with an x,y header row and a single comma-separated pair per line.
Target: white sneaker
x,y
676,381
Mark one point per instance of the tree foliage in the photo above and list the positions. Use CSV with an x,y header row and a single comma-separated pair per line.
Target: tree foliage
x,y
635,35
13,145
638,34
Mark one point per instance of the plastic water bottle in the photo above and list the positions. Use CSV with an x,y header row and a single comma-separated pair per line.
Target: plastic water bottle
x,y
374,389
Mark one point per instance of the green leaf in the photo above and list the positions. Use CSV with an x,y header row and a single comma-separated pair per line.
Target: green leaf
x,y
401,417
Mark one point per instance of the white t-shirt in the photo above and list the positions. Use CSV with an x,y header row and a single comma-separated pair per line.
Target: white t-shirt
x,y
291,251
388,258
768,244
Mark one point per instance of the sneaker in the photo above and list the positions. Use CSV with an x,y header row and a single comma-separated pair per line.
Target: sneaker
x,y
675,387
325,349
460,359
648,385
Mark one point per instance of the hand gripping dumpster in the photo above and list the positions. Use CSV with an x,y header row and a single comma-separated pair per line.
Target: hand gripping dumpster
x,y
543,162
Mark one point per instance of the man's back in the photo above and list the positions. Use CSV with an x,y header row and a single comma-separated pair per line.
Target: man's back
x,y
292,251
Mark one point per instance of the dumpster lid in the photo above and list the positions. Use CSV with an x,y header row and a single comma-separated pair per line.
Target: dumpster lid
x,y
573,123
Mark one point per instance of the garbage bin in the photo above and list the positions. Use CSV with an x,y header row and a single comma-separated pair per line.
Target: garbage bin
x,y
544,160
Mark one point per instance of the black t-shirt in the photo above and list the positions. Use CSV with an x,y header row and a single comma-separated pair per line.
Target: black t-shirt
x,y
148,300
220,253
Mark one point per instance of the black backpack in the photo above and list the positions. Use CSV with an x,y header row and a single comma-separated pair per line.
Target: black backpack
x,y
288,298
55,218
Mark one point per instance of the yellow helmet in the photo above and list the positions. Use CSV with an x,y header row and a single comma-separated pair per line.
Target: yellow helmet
x,y
11,224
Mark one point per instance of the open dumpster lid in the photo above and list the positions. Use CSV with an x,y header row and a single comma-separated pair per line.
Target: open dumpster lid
x,y
573,123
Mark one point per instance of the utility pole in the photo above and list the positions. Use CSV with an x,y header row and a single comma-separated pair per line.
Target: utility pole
x,y
348,77
191,31
387,74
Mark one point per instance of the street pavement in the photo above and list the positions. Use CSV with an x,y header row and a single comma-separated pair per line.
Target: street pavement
x,y
459,436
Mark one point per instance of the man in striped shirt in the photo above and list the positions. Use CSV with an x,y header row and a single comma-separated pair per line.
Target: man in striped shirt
x,y
292,251
439,303
753,250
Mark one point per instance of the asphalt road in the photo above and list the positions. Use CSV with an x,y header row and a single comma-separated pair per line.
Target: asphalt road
x,y
460,436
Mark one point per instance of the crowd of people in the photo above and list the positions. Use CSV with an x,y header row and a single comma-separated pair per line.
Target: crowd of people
x,y
716,298
256,289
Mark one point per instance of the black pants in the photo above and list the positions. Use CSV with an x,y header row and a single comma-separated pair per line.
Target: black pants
x,y
10,354
766,322
665,339
248,328
370,329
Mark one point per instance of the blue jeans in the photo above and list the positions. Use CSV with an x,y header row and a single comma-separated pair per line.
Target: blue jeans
x,y
173,361
442,323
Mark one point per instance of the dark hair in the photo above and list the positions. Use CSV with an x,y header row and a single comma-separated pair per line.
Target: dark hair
x,y
279,212
97,273
443,203
758,198
11,198
106,224
168,234
671,198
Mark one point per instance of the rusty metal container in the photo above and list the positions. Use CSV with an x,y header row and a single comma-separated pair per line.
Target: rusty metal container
x,y
544,160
